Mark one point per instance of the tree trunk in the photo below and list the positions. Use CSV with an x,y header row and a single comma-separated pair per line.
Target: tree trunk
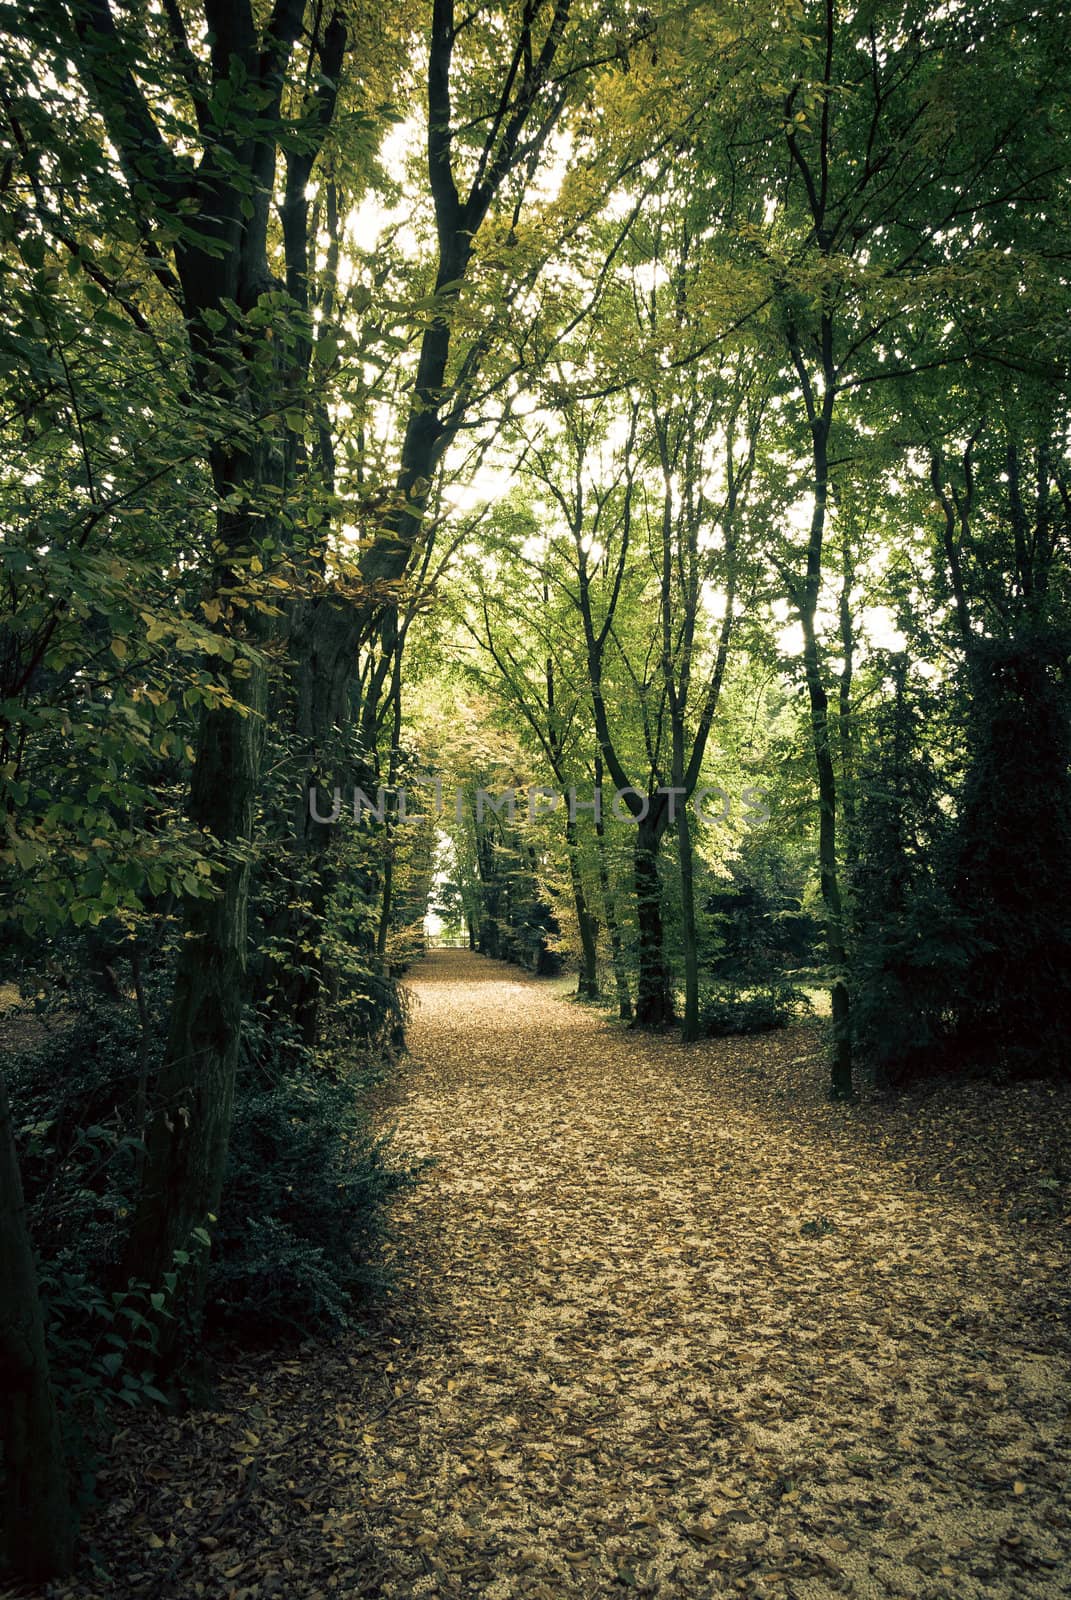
x,y
322,648
617,951
39,1527
330,633
194,1096
588,980
806,597
654,1002
193,1100
690,1024
845,729
223,205
389,843
840,1086
609,911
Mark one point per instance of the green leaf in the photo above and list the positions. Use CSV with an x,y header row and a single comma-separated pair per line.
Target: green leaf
x,y
325,349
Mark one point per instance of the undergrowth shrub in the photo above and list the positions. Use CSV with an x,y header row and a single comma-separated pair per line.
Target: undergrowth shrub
x,y
78,1078
75,1084
725,1012
102,1348
295,1248
304,1203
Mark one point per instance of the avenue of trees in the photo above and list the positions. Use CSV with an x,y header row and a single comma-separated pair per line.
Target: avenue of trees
x,y
668,402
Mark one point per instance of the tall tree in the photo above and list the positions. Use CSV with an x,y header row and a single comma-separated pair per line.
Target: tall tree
x,y
203,220
498,85
872,174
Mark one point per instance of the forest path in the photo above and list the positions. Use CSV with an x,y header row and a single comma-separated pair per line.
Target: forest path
x,y
678,1344
666,1323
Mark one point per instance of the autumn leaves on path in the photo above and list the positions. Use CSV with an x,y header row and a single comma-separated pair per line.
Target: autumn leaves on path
x,y
678,1339
665,1323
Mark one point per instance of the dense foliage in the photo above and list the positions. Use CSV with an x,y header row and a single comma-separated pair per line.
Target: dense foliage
x,y
602,473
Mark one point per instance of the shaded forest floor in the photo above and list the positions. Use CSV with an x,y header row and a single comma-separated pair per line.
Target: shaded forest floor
x,y
666,1323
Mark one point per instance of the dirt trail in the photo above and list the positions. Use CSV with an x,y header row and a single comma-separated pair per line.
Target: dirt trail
x,y
667,1323
672,1347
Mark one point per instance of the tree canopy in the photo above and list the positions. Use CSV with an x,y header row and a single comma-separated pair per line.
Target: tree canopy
x,y
453,455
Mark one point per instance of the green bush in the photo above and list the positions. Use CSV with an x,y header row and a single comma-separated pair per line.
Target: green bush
x,y
76,1078
303,1210
102,1348
295,1248
724,1012
74,1088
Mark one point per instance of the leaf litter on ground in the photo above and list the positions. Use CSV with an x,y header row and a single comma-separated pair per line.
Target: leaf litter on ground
x,y
665,1322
